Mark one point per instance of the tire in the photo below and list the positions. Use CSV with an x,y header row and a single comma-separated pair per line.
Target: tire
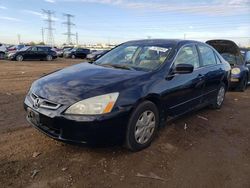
x,y
49,58
140,134
73,56
19,58
2,55
220,97
243,84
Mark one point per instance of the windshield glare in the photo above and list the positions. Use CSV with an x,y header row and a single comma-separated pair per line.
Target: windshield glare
x,y
138,57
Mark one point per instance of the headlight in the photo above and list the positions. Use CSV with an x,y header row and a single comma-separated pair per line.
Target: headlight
x,y
96,105
235,71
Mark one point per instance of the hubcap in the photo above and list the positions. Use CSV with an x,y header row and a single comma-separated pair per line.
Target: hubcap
x,y
49,58
19,58
145,127
73,56
221,95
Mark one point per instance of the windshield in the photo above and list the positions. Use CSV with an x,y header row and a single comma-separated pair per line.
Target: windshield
x,y
136,57
24,48
232,59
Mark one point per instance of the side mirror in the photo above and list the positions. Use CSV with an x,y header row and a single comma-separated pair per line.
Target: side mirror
x,y
183,69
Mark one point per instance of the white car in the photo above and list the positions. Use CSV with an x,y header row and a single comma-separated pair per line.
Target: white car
x,y
3,50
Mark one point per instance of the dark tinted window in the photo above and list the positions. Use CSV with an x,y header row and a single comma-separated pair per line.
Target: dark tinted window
x,y
207,55
188,55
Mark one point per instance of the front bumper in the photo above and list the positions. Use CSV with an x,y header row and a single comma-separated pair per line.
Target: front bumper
x,y
80,129
235,80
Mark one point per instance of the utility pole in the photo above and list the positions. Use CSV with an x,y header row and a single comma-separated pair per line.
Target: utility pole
x,y
42,34
77,39
69,24
19,38
49,21
185,36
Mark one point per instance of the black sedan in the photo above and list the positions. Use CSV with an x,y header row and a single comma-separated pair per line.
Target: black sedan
x,y
240,75
33,53
96,54
76,53
129,93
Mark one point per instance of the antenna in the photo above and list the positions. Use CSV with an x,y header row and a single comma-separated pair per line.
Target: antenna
x,y
50,37
69,24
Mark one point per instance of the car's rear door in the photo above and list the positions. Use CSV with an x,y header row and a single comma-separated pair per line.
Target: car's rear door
x,y
212,70
41,53
184,91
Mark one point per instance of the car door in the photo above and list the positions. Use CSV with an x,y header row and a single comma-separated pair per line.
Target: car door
x,y
30,53
41,53
247,58
212,70
184,91
79,53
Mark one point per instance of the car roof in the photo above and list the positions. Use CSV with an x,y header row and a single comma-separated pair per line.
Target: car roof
x,y
163,42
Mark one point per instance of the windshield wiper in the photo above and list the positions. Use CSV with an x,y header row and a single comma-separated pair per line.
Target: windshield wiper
x,y
118,66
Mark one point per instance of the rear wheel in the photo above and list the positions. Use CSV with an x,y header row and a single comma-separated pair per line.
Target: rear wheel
x,y
142,126
243,84
220,97
73,56
49,58
2,55
19,58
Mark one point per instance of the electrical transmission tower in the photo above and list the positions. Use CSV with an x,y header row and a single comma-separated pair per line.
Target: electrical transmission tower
x,y
69,24
49,15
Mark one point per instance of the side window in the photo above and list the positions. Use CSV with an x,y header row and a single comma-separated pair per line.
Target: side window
x,y
40,49
188,55
207,55
217,58
34,49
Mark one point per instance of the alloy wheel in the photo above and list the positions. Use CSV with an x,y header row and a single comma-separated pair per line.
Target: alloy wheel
x,y
144,127
220,96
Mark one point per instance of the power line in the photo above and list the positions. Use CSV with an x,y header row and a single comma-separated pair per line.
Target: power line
x,y
49,14
69,24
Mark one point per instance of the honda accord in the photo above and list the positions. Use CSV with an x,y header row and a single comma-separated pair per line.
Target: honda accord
x,y
129,93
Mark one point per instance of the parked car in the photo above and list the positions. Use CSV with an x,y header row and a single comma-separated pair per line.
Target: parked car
x,y
246,54
3,50
96,54
33,53
77,53
128,97
231,53
16,48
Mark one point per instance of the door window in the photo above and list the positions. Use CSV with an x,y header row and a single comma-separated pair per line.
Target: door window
x,y
207,55
188,55
34,49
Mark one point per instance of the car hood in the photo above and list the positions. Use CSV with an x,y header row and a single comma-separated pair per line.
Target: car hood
x,y
225,46
82,81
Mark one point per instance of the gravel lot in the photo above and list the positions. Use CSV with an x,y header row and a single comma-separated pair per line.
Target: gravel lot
x,y
214,150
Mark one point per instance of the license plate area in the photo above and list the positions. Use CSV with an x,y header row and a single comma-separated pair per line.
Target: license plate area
x,y
33,116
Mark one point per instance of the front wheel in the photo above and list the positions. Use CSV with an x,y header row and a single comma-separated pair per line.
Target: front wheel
x,y
142,126
243,84
2,55
73,56
19,58
220,97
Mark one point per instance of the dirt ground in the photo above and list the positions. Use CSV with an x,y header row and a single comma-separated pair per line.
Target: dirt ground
x,y
213,150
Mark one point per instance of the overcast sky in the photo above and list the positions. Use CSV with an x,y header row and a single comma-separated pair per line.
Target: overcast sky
x,y
116,21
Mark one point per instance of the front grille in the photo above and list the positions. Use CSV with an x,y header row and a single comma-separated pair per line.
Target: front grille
x,y
43,103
